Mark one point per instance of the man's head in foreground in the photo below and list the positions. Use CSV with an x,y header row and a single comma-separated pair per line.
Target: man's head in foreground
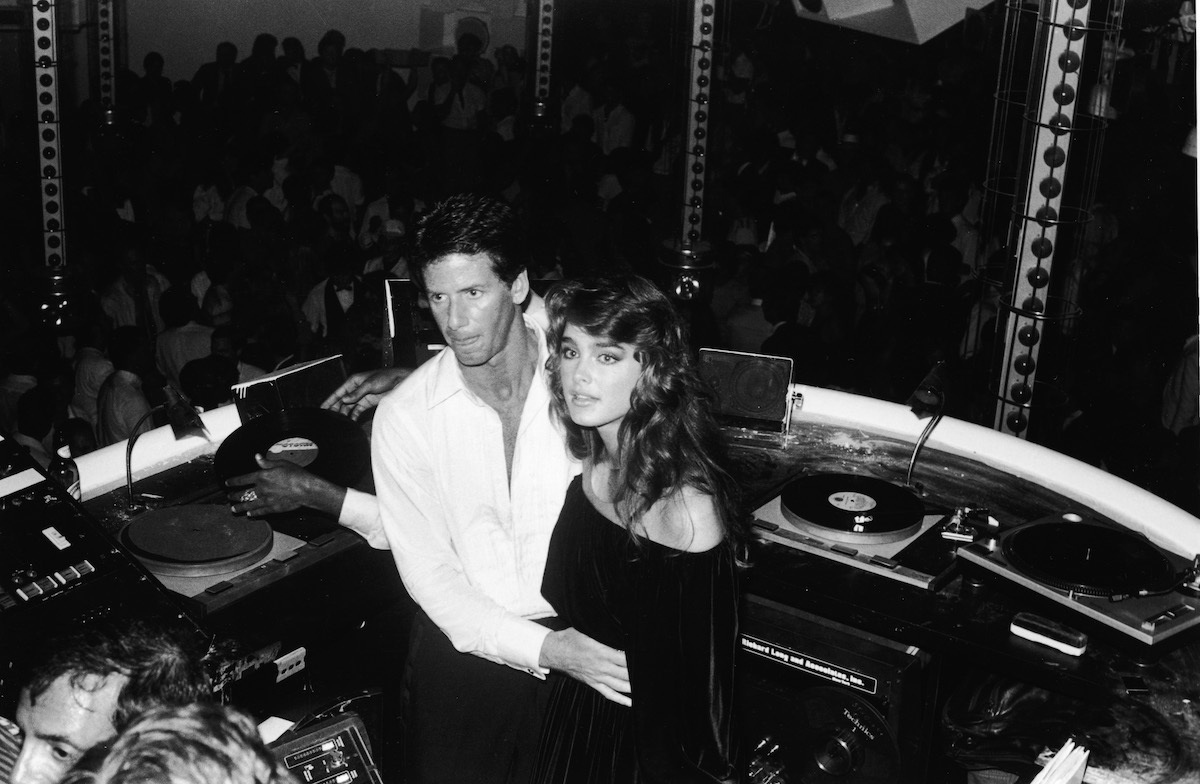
x,y
91,684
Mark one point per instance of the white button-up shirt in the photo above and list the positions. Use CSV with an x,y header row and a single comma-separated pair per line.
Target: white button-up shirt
x,y
471,549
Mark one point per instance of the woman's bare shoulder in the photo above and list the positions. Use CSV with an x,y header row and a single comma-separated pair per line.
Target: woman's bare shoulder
x,y
686,520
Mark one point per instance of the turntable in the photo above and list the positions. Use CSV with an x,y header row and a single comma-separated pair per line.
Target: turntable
x,y
1103,571
203,551
213,557
861,521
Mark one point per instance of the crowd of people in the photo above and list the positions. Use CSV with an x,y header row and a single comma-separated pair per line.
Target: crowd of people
x,y
230,224
843,213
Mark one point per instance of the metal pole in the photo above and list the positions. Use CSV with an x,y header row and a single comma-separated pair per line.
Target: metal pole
x,y
45,47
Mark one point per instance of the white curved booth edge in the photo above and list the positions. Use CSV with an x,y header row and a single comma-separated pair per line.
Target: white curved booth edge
x,y
1127,504
155,451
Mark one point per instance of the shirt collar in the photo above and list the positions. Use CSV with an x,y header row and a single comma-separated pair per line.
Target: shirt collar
x,y
447,379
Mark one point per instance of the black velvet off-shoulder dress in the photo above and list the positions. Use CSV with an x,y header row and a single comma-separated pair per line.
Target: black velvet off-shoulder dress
x,y
674,614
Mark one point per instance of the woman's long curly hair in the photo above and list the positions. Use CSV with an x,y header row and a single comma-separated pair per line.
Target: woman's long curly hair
x,y
668,440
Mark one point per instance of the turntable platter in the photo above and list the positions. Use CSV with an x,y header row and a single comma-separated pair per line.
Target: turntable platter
x,y
196,540
852,508
1087,558
1095,568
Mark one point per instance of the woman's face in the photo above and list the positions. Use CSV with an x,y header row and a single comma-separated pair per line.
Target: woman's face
x,y
598,376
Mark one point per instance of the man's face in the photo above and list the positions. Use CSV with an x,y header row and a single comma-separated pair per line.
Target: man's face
x,y
473,308
63,723
223,347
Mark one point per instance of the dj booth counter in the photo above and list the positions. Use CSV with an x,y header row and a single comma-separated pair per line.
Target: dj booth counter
x,y
1127,504
960,629
1124,503
961,625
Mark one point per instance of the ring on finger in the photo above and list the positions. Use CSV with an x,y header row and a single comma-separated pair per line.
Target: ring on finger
x,y
249,496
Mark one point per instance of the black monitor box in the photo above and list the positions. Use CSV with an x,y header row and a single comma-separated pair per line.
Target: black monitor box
x,y
303,385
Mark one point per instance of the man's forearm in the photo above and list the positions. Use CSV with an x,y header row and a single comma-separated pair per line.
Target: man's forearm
x,y
588,661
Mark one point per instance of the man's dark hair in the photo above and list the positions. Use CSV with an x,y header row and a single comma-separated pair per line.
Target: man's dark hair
x,y
471,223
124,345
162,667
332,38
207,381
177,306
35,412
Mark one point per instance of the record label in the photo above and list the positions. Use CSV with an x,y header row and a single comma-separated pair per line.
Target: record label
x,y
852,502
300,451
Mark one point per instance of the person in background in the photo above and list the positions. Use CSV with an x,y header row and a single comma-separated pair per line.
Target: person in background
x,y
188,744
92,682
92,369
208,381
131,298
227,342
24,367
121,402
215,81
35,417
184,339
644,556
79,435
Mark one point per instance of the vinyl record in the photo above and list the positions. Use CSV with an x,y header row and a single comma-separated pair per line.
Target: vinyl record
x,y
196,540
1087,558
852,508
326,443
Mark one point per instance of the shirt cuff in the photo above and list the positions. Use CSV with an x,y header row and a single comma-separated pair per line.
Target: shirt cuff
x,y
520,641
360,513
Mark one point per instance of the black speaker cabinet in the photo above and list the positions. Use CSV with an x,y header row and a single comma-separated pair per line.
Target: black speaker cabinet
x,y
749,390
822,702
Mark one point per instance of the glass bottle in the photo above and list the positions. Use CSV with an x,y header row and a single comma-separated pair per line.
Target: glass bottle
x,y
62,469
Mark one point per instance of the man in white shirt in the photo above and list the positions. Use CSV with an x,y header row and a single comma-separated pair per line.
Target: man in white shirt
x,y
121,403
183,339
132,297
470,471
92,369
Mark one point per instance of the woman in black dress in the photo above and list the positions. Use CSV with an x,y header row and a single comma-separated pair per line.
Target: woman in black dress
x,y
644,557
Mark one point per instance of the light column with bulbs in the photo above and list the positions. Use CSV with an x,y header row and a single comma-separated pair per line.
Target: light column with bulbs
x,y
543,42
106,53
1062,27
689,267
45,47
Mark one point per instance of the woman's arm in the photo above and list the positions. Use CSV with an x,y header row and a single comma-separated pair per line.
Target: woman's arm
x,y
687,520
683,641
